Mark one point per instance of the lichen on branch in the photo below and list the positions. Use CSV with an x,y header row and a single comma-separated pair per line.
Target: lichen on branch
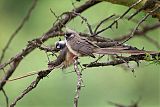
x,y
142,3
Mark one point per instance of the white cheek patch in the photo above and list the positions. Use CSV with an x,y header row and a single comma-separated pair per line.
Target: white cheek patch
x,y
58,47
62,42
65,41
72,35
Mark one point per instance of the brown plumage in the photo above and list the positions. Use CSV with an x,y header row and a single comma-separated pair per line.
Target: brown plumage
x,y
64,60
81,46
69,59
75,46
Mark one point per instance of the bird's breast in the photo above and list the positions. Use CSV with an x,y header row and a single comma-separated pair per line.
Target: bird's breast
x,y
71,49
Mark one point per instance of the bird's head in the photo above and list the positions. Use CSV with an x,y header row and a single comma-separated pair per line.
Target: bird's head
x,y
69,34
60,44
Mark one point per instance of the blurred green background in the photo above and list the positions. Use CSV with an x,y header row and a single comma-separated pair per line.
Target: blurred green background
x,y
102,84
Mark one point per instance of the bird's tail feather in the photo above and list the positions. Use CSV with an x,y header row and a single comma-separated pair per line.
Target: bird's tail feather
x,y
112,51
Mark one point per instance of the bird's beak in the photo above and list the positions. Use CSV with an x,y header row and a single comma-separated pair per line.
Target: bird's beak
x,y
65,36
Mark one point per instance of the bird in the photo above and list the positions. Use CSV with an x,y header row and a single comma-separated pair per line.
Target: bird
x,y
81,46
76,46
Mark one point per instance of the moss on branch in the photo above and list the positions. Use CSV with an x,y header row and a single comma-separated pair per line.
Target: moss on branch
x,y
140,5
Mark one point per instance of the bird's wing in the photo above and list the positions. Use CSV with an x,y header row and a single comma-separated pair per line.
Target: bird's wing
x,y
83,46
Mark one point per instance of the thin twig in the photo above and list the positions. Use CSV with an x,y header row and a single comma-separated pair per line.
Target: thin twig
x,y
86,21
42,74
139,23
24,76
25,19
135,104
149,4
44,48
116,20
6,97
104,20
79,82
142,32
30,47
52,32
135,29
134,58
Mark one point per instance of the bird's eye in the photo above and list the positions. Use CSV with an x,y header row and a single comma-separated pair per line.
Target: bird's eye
x,y
68,34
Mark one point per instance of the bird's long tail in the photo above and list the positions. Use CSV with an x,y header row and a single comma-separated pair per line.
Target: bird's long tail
x,y
122,50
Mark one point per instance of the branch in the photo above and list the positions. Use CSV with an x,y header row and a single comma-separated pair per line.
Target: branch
x,y
25,19
14,62
135,104
149,6
142,32
135,58
41,75
126,2
79,82
53,32
6,97
139,23
115,22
